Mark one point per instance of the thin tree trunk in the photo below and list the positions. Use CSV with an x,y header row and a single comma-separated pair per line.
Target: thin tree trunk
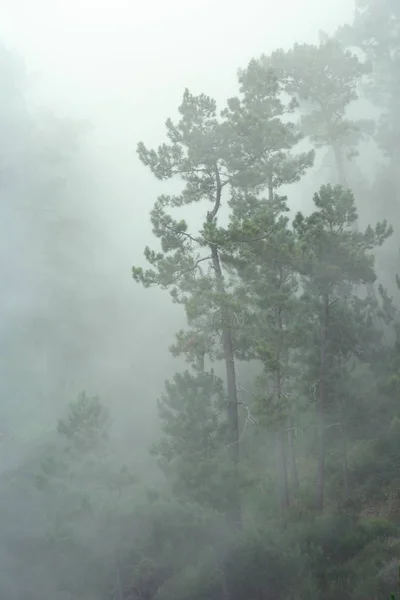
x,y
320,486
345,464
281,442
282,461
270,188
233,417
224,587
294,476
344,451
284,499
227,343
201,361
340,168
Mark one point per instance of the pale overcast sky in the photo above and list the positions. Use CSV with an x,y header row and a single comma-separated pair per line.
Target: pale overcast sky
x,y
138,55
123,64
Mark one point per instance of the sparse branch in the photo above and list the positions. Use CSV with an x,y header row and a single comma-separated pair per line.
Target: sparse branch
x,y
189,270
258,239
189,236
191,170
249,419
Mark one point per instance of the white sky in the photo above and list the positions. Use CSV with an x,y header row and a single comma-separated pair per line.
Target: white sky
x,y
110,55
123,64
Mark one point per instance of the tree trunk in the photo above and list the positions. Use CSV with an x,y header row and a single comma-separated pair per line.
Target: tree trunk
x,y
270,188
200,365
227,343
283,470
281,446
284,499
340,168
319,497
233,417
345,464
294,476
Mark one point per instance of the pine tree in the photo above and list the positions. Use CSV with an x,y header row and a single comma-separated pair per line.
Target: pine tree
x,y
375,32
267,287
263,136
83,490
198,154
324,81
50,246
335,260
192,450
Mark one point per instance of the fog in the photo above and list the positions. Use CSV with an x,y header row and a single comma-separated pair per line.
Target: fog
x,y
75,218
124,70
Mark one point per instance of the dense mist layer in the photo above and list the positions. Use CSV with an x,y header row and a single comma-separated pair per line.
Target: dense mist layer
x,y
200,300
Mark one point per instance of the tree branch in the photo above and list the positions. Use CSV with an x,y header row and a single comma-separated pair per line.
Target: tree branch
x,y
182,273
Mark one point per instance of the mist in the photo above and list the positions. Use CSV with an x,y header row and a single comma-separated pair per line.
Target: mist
x,y
99,487
124,72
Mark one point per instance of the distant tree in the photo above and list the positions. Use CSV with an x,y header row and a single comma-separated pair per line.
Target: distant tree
x,y
263,139
192,450
375,33
324,79
82,487
46,231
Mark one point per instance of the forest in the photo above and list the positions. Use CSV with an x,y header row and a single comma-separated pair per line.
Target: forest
x,y
274,473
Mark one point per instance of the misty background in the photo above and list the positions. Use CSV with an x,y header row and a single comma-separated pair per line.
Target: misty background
x,y
82,83
123,68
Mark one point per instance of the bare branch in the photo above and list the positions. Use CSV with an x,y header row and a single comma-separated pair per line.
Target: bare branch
x,y
258,239
249,419
333,425
191,170
190,236
192,268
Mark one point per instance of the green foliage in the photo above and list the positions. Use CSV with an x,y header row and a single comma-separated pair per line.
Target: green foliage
x,y
262,564
375,31
323,79
192,449
87,423
263,138
81,484
332,251
266,268
284,297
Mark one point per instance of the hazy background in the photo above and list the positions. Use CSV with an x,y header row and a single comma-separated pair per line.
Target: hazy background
x,y
122,65
73,221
